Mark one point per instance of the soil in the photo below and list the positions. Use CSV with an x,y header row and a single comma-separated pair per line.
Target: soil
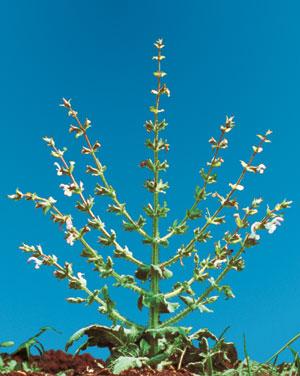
x,y
53,362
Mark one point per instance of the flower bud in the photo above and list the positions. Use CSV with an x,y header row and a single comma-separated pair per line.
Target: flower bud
x,y
66,103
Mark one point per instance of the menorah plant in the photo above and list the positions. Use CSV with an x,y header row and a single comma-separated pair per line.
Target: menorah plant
x,y
160,341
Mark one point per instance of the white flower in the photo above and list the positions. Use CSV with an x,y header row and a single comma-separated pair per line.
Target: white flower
x,y
81,279
218,263
37,262
58,169
254,228
70,239
237,187
69,223
261,168
254,236
67,189
272,225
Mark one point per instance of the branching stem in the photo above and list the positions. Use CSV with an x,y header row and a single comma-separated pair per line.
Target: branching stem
x,y
190,245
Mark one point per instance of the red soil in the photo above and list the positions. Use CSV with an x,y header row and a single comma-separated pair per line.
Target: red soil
x,y
52,362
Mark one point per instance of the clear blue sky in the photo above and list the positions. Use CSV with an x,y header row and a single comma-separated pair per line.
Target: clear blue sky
x,y
232,57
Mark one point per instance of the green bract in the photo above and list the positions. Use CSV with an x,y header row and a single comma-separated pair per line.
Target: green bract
x,y
160,342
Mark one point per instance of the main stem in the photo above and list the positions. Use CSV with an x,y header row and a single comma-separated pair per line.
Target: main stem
x,y
154,310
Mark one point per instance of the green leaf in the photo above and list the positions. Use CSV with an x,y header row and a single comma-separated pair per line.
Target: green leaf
x,y
106,269
122,252
157,269
162,166
143,272
208,178
24,348
200,193
91,298
215,221
227,290
117,209
239,222
178,228
200,236
194,213
144,347
161,125
149,210
109,240
105,191
203,333
159,74
125,281
161,211
128,226
184,286
76,300
98,335
166,273
7,344
124,363
159,187
169,331
159,300
149,144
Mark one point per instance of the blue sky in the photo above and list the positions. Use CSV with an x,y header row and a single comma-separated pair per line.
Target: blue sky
x,y
230,57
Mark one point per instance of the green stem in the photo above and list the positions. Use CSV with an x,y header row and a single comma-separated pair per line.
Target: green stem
x,y
154,309
97,299
93,216
197,200
104,180
208,222
187,310
95,254
192,280
283,348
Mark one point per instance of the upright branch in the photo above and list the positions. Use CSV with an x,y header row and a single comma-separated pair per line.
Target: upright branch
x,y
80,129
86,204
200,234
106,305
72,235
269,222
180,227
156,185
222,252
